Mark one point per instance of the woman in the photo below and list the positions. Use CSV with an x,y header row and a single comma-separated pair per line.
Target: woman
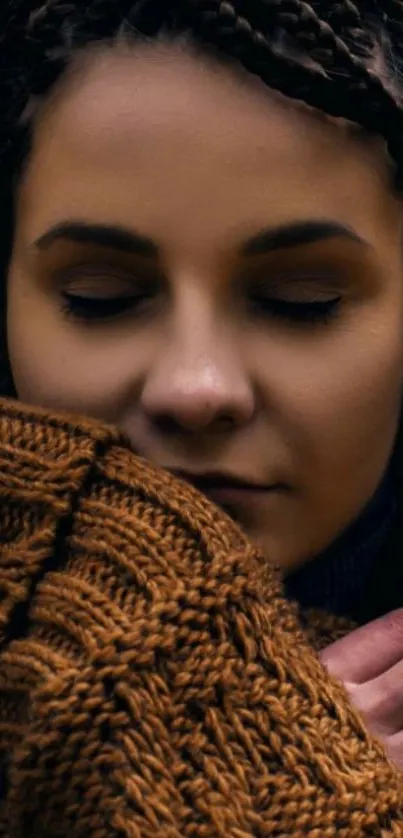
x,y
205,225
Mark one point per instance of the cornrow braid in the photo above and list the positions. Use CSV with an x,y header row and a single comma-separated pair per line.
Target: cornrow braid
x,y
345,13
392,16
359,95
300,20
32,34
391,9
37,41
366,98
218,22
347,21
89,20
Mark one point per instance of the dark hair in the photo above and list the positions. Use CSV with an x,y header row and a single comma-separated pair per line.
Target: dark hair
x,y
335,55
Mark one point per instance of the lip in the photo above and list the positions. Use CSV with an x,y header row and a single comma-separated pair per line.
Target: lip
x,y
226,488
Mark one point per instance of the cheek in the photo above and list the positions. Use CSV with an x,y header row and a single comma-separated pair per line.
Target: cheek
x,y
62,366
337,397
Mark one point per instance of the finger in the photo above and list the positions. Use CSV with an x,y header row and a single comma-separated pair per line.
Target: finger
x,y
368,651
394,747
381,701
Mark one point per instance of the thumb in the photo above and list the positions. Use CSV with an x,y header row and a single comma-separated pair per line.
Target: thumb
x,y
368,651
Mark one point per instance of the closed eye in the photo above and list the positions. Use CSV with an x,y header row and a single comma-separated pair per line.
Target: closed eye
x,y
294,311
89,308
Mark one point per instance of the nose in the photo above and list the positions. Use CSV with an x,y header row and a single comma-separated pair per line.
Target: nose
x,y
198,387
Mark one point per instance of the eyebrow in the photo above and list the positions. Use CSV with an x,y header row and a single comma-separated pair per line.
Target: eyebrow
x,y
115,237
296,234
101,235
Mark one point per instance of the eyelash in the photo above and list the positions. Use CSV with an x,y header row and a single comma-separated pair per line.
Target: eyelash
x,y
310,312
98,308
101,309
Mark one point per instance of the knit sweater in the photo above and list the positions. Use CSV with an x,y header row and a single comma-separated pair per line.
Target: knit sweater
x,y
154,681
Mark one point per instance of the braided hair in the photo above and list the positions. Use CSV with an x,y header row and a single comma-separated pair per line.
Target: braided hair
x,y
354,54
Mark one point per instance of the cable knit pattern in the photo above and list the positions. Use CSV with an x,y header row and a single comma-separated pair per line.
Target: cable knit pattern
x,y
154,682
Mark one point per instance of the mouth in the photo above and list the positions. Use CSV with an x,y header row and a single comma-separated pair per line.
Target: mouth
x,y
225,489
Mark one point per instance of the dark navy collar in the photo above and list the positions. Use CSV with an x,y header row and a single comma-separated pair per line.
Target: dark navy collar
x,y
336,579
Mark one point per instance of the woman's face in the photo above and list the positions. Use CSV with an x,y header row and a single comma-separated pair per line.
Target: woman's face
x,y
217,271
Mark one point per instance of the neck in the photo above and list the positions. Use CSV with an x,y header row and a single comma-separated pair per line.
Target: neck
x,y
335,580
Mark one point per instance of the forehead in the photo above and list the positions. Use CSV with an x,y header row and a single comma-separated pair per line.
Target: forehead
x,y
159,129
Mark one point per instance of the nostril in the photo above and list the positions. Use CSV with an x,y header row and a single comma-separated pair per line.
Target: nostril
x,y
171,425
167,425
224,422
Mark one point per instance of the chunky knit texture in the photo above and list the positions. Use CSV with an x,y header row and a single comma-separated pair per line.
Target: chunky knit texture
x,y
154,683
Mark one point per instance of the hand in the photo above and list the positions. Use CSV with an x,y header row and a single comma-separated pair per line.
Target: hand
x,y
369,661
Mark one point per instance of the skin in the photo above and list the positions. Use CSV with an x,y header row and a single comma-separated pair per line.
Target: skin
x,y
202,374
369,661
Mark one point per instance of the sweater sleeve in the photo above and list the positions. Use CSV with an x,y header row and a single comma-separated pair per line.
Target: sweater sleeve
x,y
45,463
154,683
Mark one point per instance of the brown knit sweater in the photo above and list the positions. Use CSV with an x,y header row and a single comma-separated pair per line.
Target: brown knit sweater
x,y
154,683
